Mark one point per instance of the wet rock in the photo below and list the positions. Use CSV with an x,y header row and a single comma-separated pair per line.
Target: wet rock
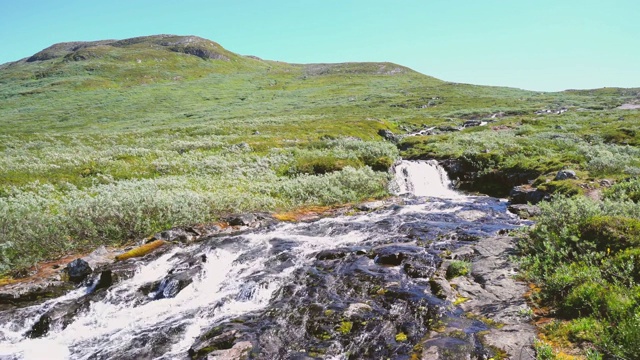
x,y
524,211
29,293
393,255
215,342
524,195
333,254
177,279
104,281
471,215
441,288
242,220
465,253
239,351
78,270
40,328
183,235
370,206
493,293
565,174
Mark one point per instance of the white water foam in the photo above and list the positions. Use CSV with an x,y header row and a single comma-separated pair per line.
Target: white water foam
x,y
423,178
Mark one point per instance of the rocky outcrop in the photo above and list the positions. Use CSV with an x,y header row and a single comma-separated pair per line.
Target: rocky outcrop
x,y
491,293
524,211
565,174
388,135
527,194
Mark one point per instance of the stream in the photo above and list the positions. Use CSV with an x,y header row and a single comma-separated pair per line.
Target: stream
x,y
346,287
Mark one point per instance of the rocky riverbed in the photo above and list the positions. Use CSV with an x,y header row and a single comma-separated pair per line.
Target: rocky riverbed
x,y
375,283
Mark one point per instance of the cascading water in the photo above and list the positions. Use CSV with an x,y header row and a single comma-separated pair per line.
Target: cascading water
x,y
422,178
345,287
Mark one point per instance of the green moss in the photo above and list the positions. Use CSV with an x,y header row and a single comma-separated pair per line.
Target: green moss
x,y
401,337
458,268
345,327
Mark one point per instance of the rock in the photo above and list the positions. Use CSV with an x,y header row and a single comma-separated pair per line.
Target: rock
x,y
565,174
332,254
524,211
370,206
524,195
204,347
78,270
242,220
471,215
183,235
392,255
388,135
357,308
239,351
606,183
442,289
472,123
493,293
99,257
29,293
40,328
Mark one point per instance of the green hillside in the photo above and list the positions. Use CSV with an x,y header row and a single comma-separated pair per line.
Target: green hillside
x,y
107,142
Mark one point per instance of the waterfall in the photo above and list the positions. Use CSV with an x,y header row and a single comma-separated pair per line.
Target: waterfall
x,y
422,178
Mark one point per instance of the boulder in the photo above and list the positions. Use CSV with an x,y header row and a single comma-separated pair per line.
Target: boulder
x,y
565,174
524,211
242,220
524,195
370,206
388,135
182,235
78,270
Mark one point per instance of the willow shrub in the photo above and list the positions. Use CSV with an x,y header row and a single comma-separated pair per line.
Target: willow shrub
x,y
585,254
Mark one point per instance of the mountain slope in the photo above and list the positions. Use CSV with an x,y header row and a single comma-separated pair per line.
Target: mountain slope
x,y
107,141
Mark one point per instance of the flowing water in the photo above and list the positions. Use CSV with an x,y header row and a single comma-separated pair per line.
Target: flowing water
x,y
347,287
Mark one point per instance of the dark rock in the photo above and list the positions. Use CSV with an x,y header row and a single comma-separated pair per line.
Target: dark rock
x,y
448,128
183,235
104,281
242,220
391,255
524,211
332,254
565,174
388,135
177,279
29,293
524,195
472,123
78,270
40,328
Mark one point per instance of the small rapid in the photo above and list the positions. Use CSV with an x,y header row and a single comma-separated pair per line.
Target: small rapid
x,y
346,287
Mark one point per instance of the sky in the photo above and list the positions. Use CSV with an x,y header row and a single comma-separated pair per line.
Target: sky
x,y
540,45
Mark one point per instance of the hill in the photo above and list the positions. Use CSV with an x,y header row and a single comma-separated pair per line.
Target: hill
x,y
107,142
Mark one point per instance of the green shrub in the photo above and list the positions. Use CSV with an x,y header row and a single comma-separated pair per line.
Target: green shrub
x,y
611,233
458,268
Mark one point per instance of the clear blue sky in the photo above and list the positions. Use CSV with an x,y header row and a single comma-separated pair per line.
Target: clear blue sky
x,y
531,44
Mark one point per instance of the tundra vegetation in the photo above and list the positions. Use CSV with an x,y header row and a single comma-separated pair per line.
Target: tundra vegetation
x,y
108,142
